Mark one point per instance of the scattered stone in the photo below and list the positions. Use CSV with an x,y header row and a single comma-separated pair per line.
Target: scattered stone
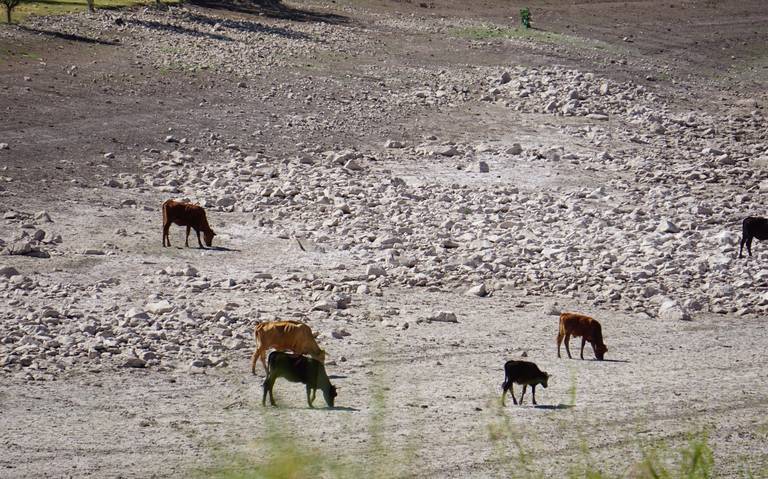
x,y
515,149
374,270
443,317
160,307
394,144
479,290
673,311
666,226
9,271
134,363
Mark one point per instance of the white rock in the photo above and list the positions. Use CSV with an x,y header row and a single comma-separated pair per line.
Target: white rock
x,y
160,307
394,144
667,226
672,310
479,290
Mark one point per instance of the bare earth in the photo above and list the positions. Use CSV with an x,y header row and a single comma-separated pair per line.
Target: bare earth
x,y
256,112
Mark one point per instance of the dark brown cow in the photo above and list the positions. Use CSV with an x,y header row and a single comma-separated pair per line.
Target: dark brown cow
x,y
189,215
573,324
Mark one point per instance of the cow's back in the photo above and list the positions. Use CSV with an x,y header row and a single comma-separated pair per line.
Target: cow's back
x,y
577,324
286,335
522,371
184,214
755,226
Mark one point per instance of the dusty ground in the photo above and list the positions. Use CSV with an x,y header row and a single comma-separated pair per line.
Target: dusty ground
x,y
440,381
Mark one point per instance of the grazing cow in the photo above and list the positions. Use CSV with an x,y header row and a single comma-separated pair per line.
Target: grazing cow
x,y
752,227
298,369
525,373
189,215
573,324
284,336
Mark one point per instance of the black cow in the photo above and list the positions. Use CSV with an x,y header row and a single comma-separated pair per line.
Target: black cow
x,y
752,227
525,373
298,369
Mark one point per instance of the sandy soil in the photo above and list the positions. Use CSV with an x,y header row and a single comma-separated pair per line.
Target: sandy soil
x,y
440,382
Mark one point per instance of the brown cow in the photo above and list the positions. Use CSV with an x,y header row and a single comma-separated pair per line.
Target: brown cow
x,y
573,324
189,215
284,336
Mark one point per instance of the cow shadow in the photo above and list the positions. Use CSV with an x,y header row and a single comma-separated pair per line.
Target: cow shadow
x,y
223,249
271,9
337,376
307,408
553,407
614,360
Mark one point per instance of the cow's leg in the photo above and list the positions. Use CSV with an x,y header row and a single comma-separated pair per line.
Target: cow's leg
x,y
166,237
269,382
186,241
533,393
263,356
559,340
583,342
749,245
523,394
254,358
741,246
198,238
309,396
512,392
567,348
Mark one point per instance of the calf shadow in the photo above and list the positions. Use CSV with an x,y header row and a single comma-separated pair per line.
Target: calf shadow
x,y
553,407
307,408
223,248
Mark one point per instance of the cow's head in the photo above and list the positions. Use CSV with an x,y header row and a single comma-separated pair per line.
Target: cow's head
x,y
208,237
330,396
544,382
600,350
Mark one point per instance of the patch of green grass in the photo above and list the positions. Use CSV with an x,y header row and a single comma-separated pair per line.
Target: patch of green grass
x,y
62,7
495,32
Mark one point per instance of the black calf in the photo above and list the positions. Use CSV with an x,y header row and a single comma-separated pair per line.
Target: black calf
x,y
752,227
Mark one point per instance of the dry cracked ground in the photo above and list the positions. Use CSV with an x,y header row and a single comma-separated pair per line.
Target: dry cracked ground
x,y
424,186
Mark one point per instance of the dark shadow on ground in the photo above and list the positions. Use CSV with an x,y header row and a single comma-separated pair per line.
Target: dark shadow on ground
x,y
337,376
316,408
245,25
615,360
168,27
271,9
66,36
553,407
223,248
